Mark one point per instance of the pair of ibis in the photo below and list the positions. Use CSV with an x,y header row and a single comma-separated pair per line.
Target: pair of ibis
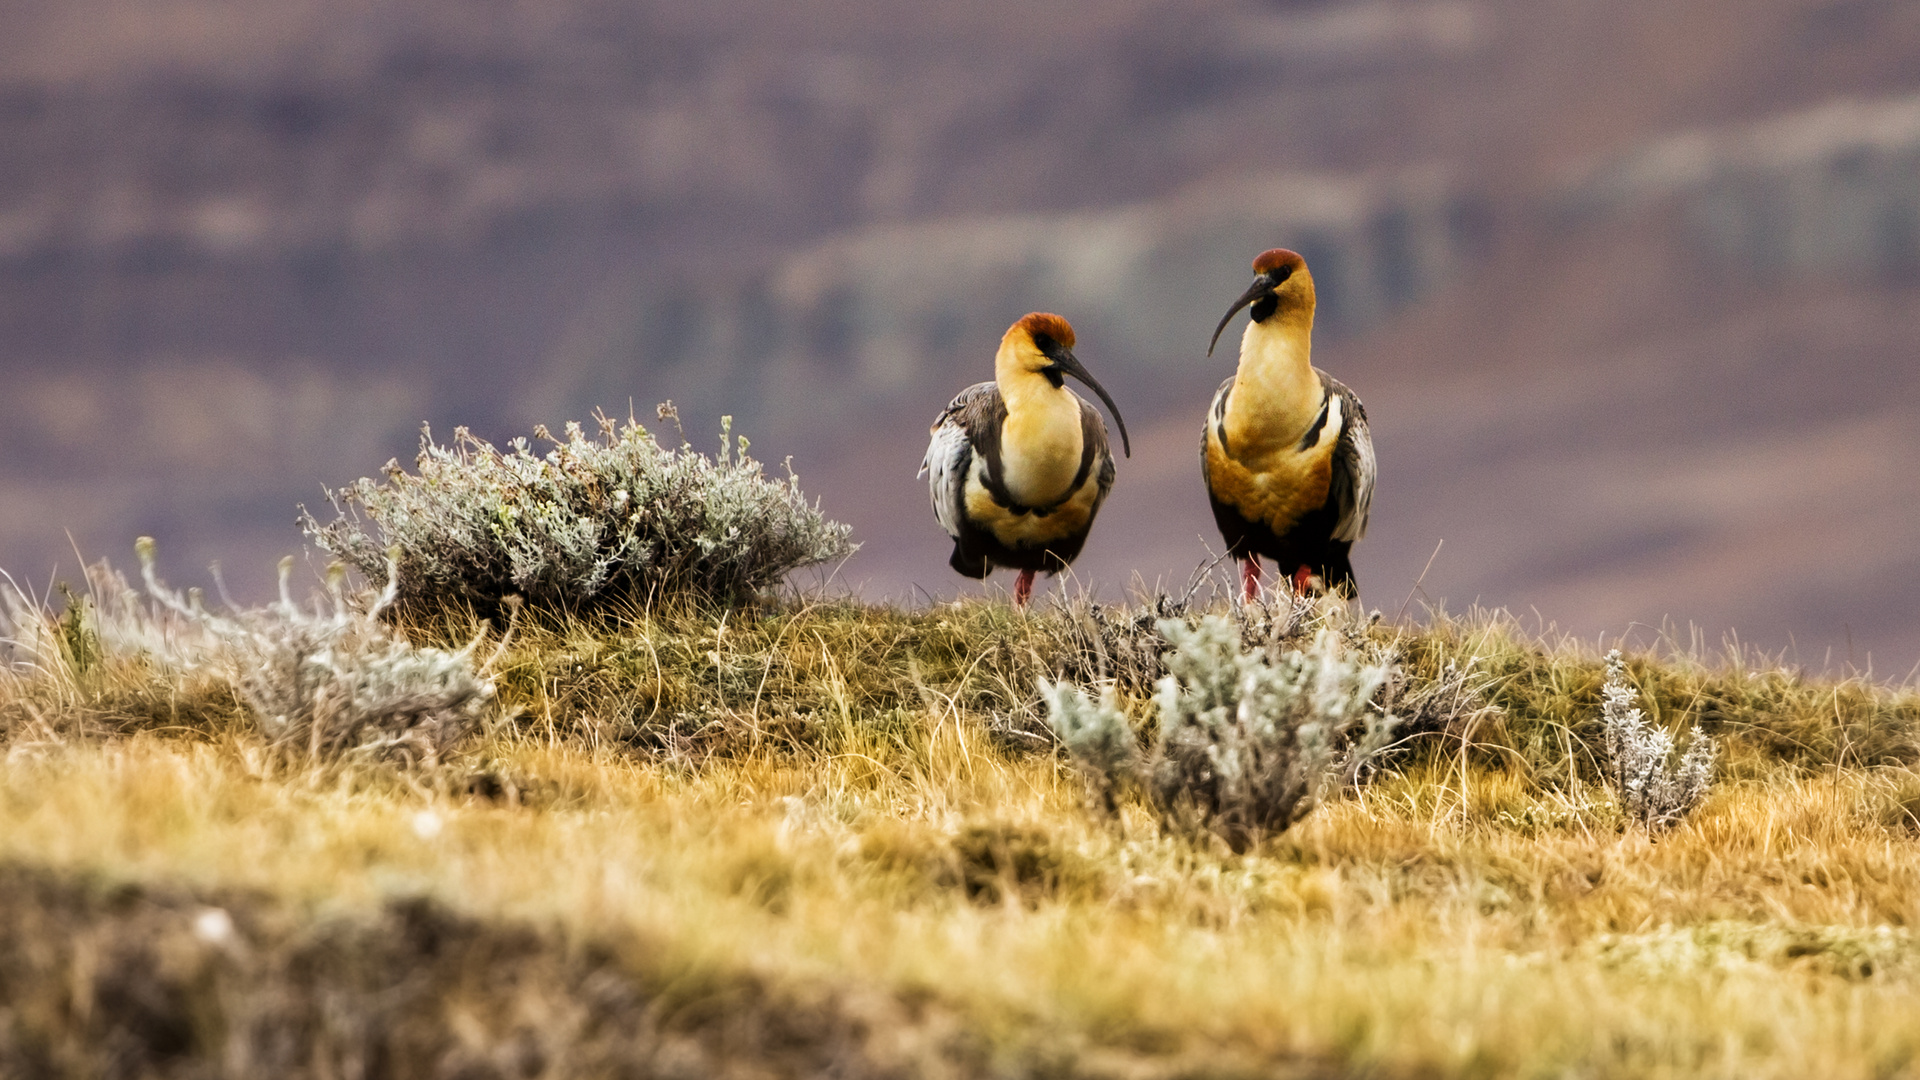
x,y
1019,466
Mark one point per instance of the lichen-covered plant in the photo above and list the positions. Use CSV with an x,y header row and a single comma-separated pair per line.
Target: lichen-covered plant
x,y
593,520
1248,740
1654,790
1248,743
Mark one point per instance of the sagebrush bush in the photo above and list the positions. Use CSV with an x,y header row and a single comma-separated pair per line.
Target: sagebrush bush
x,y
336,681
1098,740
592,521
1654,789
319,685
1248,740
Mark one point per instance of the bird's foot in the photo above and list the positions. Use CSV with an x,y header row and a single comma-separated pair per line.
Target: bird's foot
x,y
1249,580
1023,589
1302,581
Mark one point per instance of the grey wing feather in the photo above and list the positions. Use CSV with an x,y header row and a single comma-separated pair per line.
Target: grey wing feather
x,y
1216,422
1353,465
950,452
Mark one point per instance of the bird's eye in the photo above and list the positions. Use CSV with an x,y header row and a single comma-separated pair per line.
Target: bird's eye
x,y
1045,343
1281,274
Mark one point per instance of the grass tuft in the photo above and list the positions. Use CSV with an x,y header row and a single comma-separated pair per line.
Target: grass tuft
x,y
317,685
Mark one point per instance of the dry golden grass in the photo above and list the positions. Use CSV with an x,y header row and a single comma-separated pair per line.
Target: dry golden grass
x,y
812,838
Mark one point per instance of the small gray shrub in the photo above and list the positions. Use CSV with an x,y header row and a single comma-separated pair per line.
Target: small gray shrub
x,y
324,684
593,520
1654,789
1098,740
1248,740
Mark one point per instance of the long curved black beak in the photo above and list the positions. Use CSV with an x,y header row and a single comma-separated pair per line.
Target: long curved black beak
x,y
1254,292
1064,360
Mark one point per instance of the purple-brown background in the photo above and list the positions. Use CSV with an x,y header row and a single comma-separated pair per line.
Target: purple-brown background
x,y
1631,289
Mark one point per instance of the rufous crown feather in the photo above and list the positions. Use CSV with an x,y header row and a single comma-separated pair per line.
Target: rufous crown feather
x,y
1275,258
1053,326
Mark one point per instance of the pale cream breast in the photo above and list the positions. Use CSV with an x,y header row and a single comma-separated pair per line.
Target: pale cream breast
x,y
1276,393
1041,446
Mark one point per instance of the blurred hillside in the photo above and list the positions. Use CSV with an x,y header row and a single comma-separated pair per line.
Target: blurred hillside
x,y
1632,290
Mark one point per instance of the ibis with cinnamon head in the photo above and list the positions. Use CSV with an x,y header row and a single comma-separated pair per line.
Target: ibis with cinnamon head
x,y
1019,466
1286,455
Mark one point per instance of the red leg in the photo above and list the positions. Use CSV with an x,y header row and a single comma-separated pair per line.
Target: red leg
x,y
1249,579
1302,580
1023,588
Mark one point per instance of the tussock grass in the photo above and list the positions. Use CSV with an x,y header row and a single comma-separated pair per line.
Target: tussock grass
x,y
819,836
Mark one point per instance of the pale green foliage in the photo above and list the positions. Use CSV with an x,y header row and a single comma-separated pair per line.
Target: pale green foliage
x,y
593,520
1653,788
1248,739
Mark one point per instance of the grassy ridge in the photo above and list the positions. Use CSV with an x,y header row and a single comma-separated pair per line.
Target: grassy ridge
x,y
826,837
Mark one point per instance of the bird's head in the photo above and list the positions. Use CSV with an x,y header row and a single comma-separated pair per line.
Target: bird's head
x,y
1042,344
1281,286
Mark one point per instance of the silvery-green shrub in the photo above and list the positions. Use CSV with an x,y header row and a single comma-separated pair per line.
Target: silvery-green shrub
x,y
325,683
1248,740
1654,789
1097,737
593,520
331,682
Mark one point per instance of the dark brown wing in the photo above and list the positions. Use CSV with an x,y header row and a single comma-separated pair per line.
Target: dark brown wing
x,y
1095,453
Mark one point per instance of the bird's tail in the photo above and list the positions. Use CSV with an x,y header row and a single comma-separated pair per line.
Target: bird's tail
x,y
966,564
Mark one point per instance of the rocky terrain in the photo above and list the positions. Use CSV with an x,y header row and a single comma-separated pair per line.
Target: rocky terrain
x,y
1630,289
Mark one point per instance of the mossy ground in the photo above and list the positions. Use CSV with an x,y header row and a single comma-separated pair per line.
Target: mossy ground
x,y
823,838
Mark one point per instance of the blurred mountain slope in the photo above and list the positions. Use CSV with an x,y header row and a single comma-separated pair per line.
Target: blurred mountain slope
x,y
1626,285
